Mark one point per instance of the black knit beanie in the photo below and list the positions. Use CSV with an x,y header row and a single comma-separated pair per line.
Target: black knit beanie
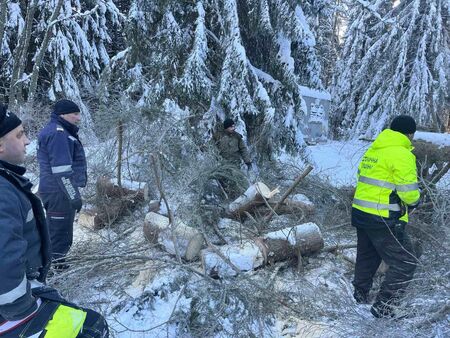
x,y
228,123
404,124
65,107
8,120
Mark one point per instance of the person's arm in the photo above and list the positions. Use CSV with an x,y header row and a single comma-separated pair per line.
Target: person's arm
x,y
16,300
60,151
244,152
405,179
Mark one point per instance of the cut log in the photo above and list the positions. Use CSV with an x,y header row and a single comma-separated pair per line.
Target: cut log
x,y
113,201
189,241
255,194
276,246
306,237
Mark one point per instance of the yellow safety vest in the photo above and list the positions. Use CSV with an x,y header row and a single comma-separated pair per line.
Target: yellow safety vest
x,y
387,167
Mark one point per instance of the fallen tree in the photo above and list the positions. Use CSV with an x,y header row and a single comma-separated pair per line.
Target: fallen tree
x,y
304,239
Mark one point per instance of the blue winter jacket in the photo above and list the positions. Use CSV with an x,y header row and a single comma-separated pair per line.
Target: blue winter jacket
x,y
25,251
61,157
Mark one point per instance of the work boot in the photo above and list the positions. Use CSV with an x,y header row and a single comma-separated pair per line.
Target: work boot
x,y
381,310
389,309
361,297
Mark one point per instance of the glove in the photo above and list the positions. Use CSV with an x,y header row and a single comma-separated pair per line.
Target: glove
x,y
76,204
249,166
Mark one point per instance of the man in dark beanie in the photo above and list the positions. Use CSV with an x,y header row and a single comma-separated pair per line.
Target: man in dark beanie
x,y
387,189
232,149
62,165
27,305
231,145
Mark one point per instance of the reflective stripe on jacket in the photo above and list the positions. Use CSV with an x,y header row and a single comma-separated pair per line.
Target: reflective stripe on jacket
x,y
387,177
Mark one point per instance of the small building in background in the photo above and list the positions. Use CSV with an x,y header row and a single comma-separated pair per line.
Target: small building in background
x,y
317,104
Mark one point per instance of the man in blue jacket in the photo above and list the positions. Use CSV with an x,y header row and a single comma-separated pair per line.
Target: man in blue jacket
x,y
62,165
28,308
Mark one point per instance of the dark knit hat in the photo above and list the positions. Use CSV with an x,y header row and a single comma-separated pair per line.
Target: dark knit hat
x,y
65,107
228,123
404,124
8,120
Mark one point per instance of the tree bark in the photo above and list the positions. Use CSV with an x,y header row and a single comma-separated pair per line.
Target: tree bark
x,y
42,51
3,15
273,247
188,240
20,57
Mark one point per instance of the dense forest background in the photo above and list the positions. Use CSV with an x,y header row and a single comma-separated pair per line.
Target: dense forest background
x,y
239,58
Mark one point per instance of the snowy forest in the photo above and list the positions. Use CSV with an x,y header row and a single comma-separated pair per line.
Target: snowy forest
x,y
155,79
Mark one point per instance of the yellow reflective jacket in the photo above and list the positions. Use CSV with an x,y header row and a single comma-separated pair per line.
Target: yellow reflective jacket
x,y
387,177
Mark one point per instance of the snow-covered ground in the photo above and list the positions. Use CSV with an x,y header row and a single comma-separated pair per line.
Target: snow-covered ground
x,y
151,304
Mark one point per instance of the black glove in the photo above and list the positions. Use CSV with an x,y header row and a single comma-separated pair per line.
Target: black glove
x,y
76,204
249,166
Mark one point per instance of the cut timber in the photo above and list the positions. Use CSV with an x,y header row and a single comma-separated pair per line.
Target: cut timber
x,y
113,201
306,237
276,246
157,229
255,194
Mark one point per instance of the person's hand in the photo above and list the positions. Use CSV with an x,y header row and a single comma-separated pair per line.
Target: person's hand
x,y
249,166
77,204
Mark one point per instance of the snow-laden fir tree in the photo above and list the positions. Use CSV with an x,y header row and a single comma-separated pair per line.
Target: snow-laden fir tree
x,y
56,48
397,64
236,58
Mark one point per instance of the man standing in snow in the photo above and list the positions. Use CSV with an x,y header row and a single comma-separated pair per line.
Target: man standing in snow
x,y
27,306
231,145
387,189
62,165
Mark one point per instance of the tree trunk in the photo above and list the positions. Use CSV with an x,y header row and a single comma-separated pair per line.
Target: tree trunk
x,y
273,247
189,241
20,57
253,196
42,51
3,15
119,152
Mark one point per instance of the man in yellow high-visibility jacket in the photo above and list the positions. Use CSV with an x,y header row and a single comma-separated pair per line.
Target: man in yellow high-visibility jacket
x,y
386,190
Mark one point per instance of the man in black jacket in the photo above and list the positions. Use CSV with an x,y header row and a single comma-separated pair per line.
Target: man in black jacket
x,y
28,308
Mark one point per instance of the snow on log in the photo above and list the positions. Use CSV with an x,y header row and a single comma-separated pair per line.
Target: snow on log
x,y
255,194
276,246
189,241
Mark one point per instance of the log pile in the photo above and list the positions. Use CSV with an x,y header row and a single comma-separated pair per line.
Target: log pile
x,y
242,254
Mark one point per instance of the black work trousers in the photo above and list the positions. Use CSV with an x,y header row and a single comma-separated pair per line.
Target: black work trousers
x,y
394,247
60,217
